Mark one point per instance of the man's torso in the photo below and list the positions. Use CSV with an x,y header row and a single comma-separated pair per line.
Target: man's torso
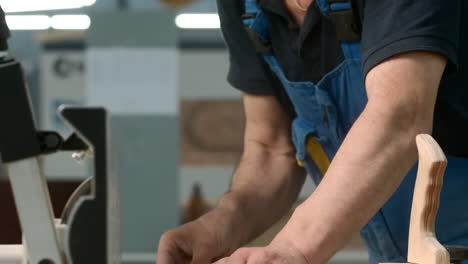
x,y
307,53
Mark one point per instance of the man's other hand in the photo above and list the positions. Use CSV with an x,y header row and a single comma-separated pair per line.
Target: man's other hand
x,y
201,241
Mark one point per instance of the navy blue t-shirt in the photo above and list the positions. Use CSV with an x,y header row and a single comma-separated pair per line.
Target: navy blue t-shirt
x,y
389,27
4,31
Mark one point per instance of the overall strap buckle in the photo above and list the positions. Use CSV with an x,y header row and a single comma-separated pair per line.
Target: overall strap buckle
x,y
251,20
261,45
346,20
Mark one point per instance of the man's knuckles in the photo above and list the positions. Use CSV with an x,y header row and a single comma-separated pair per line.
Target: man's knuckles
x,y
264,256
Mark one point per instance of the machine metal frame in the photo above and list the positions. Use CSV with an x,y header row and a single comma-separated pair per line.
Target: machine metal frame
x,y
90,232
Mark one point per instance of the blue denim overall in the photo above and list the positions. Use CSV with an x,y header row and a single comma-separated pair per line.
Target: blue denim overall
x,y
326,111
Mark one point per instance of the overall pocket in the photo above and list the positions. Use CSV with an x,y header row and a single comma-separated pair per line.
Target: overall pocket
x,y
310,150
342,92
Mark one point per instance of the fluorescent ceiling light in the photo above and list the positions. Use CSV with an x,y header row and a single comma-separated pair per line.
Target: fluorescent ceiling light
x,y
36,5
70,22
30,22
197,21
42,22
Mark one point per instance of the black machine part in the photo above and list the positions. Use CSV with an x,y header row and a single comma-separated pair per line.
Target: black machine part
x,y
92,214
457,253
19,137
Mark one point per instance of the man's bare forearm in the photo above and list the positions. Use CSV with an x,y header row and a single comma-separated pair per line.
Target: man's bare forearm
x,y
267,180
365,172
373,159
264,187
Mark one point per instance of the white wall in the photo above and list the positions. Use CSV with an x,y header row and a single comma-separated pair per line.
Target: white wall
x,y
203,75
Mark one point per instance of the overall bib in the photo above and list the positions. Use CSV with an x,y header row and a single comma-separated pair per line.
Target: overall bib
x,y
325,112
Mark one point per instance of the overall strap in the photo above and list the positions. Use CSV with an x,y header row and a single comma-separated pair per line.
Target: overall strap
x,y
343,14
251,7
256,25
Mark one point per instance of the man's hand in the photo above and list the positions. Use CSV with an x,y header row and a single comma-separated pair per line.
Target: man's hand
x,y
278,252
191,243
199,242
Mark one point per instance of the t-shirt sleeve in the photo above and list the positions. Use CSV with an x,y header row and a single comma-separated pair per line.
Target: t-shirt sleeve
x,y
4,31
246,71
390,27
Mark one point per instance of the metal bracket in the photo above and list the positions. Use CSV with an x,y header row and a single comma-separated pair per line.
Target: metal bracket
x,y
93,227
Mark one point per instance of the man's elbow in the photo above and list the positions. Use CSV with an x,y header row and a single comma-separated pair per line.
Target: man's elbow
x,y
403,90
405,119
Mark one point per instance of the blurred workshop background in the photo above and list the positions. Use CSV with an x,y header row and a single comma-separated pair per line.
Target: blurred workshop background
x,y
159,67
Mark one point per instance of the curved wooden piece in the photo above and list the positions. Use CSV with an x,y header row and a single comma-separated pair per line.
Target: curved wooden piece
x,y
423,247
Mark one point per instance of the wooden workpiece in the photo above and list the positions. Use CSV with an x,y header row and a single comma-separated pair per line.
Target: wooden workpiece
x,y
423,246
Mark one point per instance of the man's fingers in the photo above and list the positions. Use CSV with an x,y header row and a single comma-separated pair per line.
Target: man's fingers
x,y
173,256
202,255
220,261
243,253
260,257
240,256
168,252
231,260
164,257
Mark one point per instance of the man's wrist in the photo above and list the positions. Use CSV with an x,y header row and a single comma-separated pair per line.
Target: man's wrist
x,y
311,239
231,216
